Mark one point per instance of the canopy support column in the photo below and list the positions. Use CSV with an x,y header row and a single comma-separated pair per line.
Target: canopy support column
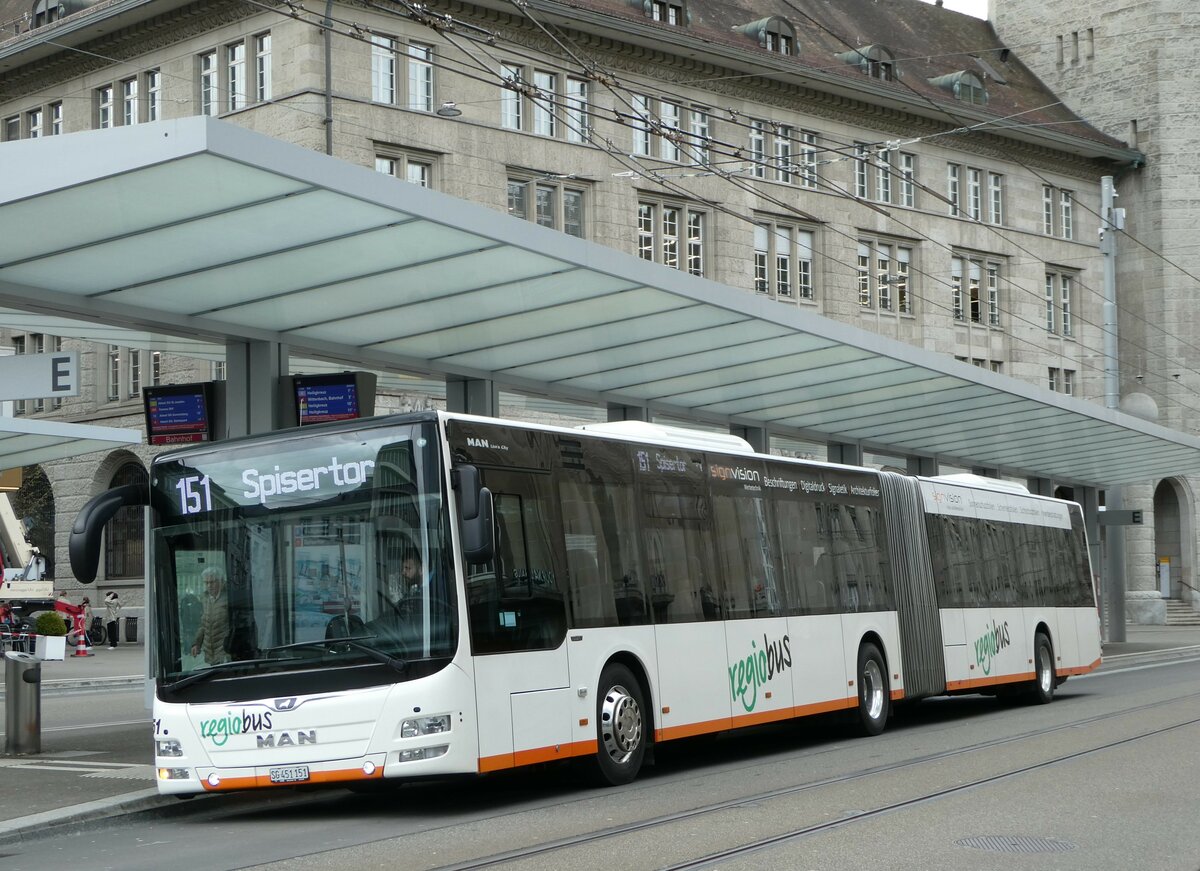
x,y
756,435
627,412
843,452
252,373
472,396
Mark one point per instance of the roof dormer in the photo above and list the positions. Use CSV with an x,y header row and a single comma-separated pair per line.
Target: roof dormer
x,y
775,34
964,85
876,61
672,12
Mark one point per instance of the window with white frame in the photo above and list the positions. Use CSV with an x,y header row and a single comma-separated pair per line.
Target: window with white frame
x,y
545,104
56,119
383,69
770,150
262,67
758,148
37,345
576,117
549,203
974,194
874,171
783,154
129,102
153,95
1068,382
1060,301
908,180
1047,210
975,289
883,176
808,159
548,104
114,373
672,233
783,260
156,367
669,115
953,193
995,198
641,124
1052,377
235,75
884,270
668,130
36,127
700,128
1066,212
135,372
780,43
861,178
105,107
210,103
668,12
415,167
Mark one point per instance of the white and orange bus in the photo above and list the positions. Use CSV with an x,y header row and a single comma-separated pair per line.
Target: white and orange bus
x,y
436,593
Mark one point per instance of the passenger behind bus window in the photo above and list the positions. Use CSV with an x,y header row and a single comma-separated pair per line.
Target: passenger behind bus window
x,y
213,637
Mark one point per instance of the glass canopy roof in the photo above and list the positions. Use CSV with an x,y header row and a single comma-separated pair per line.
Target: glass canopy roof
x,y
205,231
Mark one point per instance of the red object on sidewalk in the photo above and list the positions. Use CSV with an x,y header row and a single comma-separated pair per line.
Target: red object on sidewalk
x,y
81,644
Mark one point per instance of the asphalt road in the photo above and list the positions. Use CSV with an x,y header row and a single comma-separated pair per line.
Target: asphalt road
x,y
1103,778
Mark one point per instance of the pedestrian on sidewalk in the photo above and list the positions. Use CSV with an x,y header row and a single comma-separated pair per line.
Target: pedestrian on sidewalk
x,y
112,617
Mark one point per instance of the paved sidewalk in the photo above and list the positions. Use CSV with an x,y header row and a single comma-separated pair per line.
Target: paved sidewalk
x,y
87,775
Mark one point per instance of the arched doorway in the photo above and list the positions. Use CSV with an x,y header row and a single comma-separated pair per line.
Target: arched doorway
x,y
1169,509
124,537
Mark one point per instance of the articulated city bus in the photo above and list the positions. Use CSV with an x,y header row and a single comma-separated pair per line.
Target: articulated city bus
x,y
436,593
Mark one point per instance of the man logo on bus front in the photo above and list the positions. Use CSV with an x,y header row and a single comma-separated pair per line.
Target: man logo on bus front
x,y
285,704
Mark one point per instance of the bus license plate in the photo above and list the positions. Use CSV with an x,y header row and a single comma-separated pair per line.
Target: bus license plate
x,y
289,774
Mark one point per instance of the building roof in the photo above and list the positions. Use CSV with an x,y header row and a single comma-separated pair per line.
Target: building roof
x,y
201,228
926,41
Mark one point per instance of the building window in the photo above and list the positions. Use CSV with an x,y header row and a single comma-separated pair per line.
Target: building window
x,y
124,554
217,370
1066,221
908,180
577,122
420,77
545,122
780,43
974,194
1052,379
411,166
952,189
19,347
781,139
975,290
1068,381
209,96
235,75
883,276
105,107
262,67
129,102
135,372
667,12
808,159
672,234
664,121
872,60
153,95
548,204
700,129
156,367
883,176
34,119
758,148
861,179
783,261
114,373
1059,297
995,198
56,119
1047,210
383,69
12,128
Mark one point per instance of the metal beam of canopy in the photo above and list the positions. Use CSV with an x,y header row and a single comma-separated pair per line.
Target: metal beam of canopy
x,y
204,230
27,442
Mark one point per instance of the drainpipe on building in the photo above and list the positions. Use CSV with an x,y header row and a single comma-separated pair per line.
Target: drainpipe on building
x,y
1114,582
328,27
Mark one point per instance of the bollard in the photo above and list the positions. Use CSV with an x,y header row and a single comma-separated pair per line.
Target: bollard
x,y
22,704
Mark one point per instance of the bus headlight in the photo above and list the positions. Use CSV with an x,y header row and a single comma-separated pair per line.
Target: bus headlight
x,y
425,726
174,774
168,747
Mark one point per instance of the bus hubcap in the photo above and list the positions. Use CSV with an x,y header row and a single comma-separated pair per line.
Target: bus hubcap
x,y
1044,668
621,723
872,689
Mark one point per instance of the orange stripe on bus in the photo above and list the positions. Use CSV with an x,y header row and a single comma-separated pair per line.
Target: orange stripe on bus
x,y
536,755
976,683
1080,669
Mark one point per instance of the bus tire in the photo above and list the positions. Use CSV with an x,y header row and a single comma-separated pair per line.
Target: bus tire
x,y
1043,670
620,726
874,696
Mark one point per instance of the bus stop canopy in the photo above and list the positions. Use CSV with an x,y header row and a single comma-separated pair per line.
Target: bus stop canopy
x,y
27,441
201,229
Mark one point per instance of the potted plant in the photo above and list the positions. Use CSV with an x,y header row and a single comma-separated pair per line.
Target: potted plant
x,y
51,640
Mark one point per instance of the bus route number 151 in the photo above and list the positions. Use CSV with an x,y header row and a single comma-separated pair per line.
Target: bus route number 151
x,y
195,494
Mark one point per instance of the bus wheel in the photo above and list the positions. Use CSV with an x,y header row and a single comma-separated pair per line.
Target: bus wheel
x,y
873,694
620,726
1043,666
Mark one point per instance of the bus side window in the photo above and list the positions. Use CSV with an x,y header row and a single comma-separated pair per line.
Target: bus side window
x,y
520,606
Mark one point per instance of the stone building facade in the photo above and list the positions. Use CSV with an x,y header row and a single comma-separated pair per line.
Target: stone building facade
x,y
1128,68
891,166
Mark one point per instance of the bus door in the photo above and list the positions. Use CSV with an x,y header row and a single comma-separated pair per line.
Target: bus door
x,y
687,594
517,614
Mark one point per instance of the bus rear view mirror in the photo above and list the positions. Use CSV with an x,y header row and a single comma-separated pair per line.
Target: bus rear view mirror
x,y
84,544
475,514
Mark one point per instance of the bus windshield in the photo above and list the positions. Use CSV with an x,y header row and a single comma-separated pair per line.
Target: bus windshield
x,y
308,558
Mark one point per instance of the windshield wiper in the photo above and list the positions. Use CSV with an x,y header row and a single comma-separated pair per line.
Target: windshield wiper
x,y
197,676
355,642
